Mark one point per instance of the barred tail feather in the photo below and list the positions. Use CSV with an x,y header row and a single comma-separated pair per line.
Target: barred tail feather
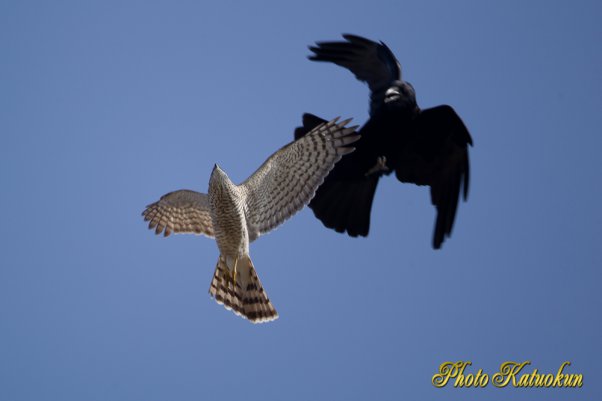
x,y
247,298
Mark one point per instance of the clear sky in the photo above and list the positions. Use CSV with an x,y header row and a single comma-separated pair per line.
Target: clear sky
x,y
105,106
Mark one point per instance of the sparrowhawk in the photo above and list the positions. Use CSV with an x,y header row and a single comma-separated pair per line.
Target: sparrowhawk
x,y
236,215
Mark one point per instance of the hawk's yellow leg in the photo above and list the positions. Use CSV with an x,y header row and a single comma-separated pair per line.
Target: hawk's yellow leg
x,y
234,273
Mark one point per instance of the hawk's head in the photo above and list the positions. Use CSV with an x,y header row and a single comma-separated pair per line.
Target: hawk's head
x,y
219,178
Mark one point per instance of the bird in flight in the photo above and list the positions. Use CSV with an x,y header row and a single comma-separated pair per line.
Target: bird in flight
x,y
236,215
423,147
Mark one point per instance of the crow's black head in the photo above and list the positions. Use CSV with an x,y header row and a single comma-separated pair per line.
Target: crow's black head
x,y
401,96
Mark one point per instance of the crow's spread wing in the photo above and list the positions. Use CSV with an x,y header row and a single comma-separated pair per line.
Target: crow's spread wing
x,y
370,62
435,153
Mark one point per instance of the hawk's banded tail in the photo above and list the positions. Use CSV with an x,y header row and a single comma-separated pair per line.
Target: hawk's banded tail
x,y
245,296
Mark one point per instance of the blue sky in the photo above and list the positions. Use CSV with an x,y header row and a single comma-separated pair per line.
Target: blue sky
x,y
105,106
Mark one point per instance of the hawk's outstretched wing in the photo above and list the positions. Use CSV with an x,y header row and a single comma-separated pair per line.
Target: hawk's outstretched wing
x,y
182,211
289,178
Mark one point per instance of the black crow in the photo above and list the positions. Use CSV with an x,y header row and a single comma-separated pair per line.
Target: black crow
x,y
423,147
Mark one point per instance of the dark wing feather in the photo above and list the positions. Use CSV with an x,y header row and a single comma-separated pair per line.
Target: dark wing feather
x,y
435,153
370,62
344,201
345,205
310,122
